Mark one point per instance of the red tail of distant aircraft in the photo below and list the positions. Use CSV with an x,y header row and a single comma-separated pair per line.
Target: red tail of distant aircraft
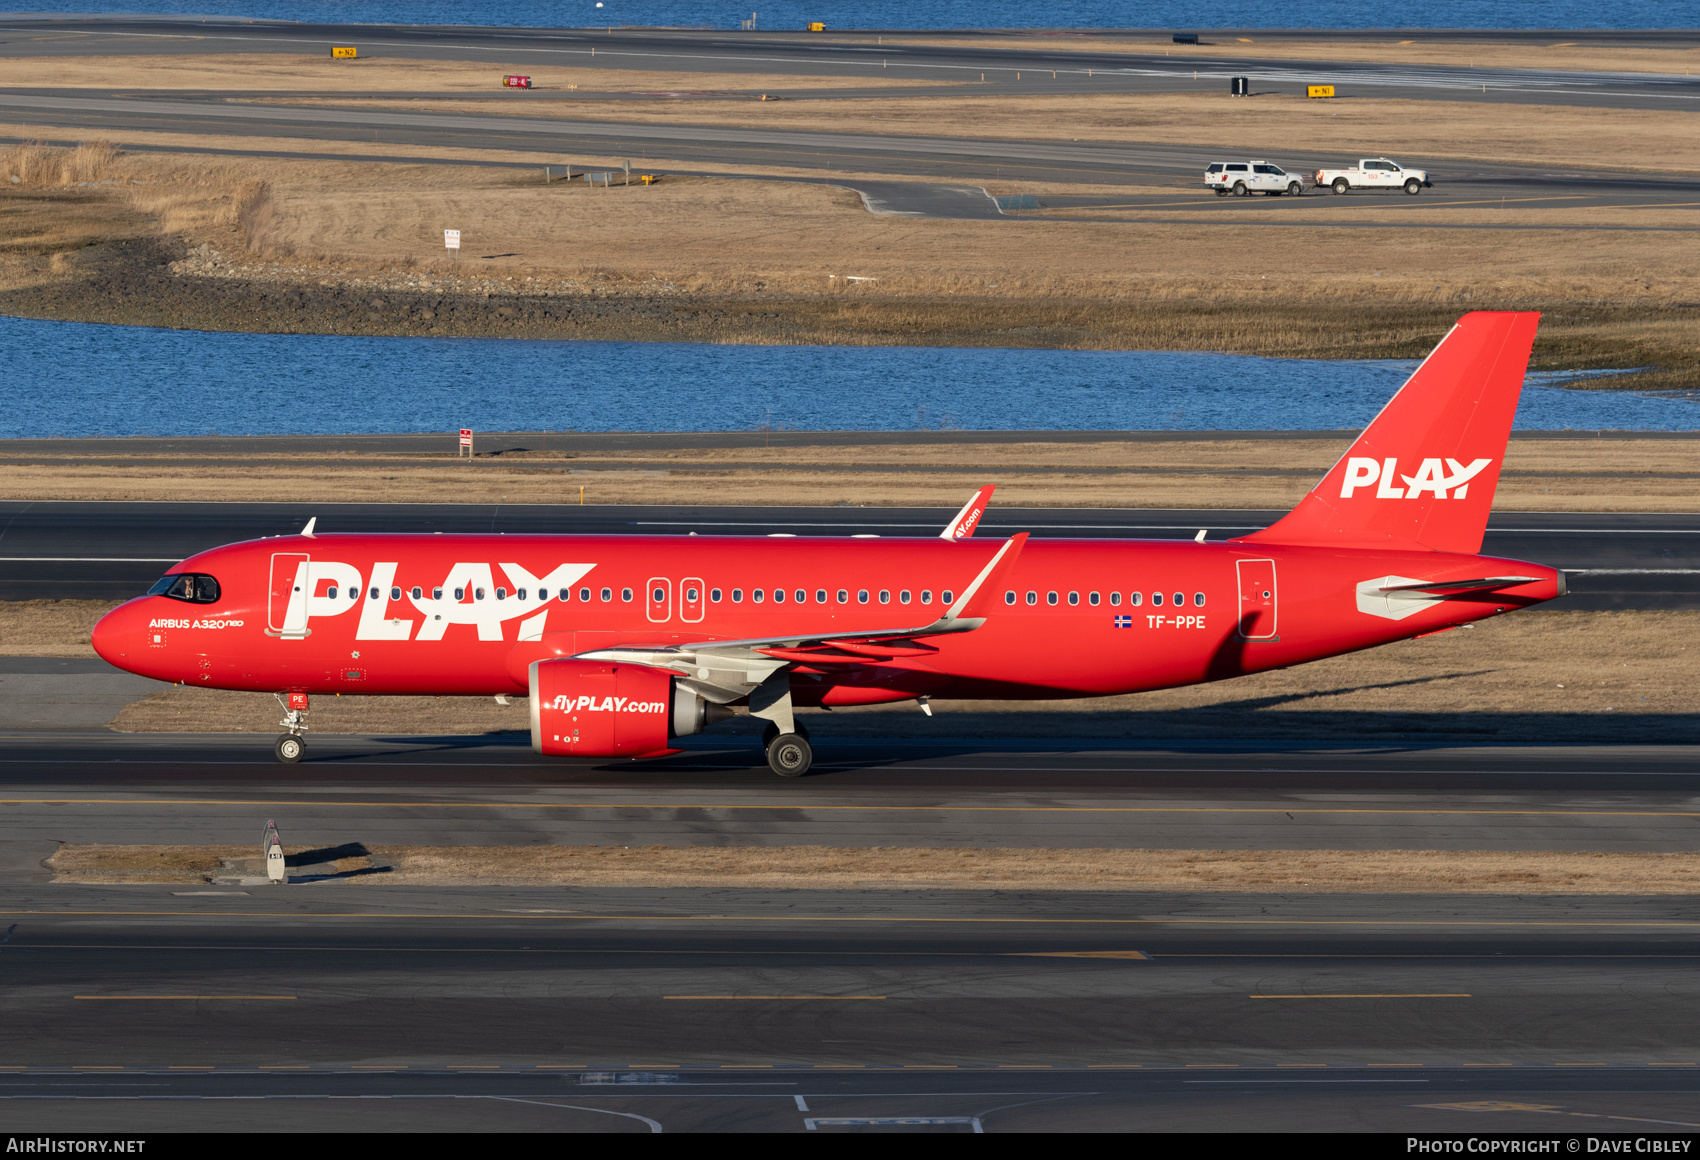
x,y
626,643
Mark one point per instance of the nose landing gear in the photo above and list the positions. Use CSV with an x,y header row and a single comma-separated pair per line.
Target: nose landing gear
x,y
291,746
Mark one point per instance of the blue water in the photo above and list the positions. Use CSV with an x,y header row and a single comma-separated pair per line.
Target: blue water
x,y
67,378
794,14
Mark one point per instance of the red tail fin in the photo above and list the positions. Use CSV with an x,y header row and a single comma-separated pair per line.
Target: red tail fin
x,y
1424,472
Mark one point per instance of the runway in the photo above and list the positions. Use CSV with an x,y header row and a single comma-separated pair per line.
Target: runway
x,y
89,551
851,57
1160,181
95,786
455,1009
1161,172
351,1004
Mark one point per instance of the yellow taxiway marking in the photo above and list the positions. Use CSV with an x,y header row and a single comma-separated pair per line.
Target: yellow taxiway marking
x,y
1551,1110
773,996
1137,956
799,807
1411,995
105,997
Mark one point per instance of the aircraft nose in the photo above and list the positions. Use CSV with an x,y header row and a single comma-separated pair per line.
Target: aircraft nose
x,y
117,636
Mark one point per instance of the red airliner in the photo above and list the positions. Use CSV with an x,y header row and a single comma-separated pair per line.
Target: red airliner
x,y
625,643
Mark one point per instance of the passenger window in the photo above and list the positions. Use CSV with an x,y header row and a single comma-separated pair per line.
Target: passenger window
x,y
522,593
820,595
1134,598
944,597
626,595
1051,598
478,593
885,596
714,595
690,595
660,594
584,594
1198,600
779,596
737,595
460,594
903,596
926,596
843,596
1092,600
1009,597
861,596
607,595
1115,599
501,594
801,595
375,594
395,593
1180,600
436,594
756,595
1074,598
1156,598
417,592
1032,598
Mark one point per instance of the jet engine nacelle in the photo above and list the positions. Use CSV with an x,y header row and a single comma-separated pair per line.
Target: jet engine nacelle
x,y
611,709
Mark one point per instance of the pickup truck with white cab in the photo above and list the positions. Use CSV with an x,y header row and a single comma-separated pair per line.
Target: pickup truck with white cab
x,y
1374,173
1244,178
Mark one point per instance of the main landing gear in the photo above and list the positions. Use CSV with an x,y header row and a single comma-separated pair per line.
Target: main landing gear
x,y
788,754
291,746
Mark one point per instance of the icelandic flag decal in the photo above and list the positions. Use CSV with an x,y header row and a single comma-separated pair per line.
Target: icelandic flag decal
x,y
1124,622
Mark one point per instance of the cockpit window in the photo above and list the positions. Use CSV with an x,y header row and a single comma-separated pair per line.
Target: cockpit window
x,y
193,587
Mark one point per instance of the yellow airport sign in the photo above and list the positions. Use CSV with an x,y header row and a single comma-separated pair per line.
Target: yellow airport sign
x,y
816,26
349,53
1319,90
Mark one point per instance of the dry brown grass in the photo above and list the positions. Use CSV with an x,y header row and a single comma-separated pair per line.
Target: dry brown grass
x,y
1614,298
49,628
920,868
1535,677
1540,475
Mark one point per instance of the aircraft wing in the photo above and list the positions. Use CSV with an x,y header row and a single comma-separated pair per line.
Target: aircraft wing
x,y
724,670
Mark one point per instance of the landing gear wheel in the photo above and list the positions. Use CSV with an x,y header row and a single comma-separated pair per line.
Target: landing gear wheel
x,y
1413,187
1240,190
790,755
290,748
1341,185
772,731
1296,189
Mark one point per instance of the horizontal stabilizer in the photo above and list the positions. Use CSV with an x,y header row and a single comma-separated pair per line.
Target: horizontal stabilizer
x,y
1486,583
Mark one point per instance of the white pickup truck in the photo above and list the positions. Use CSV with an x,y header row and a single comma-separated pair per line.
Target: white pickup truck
x,y
1374,173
